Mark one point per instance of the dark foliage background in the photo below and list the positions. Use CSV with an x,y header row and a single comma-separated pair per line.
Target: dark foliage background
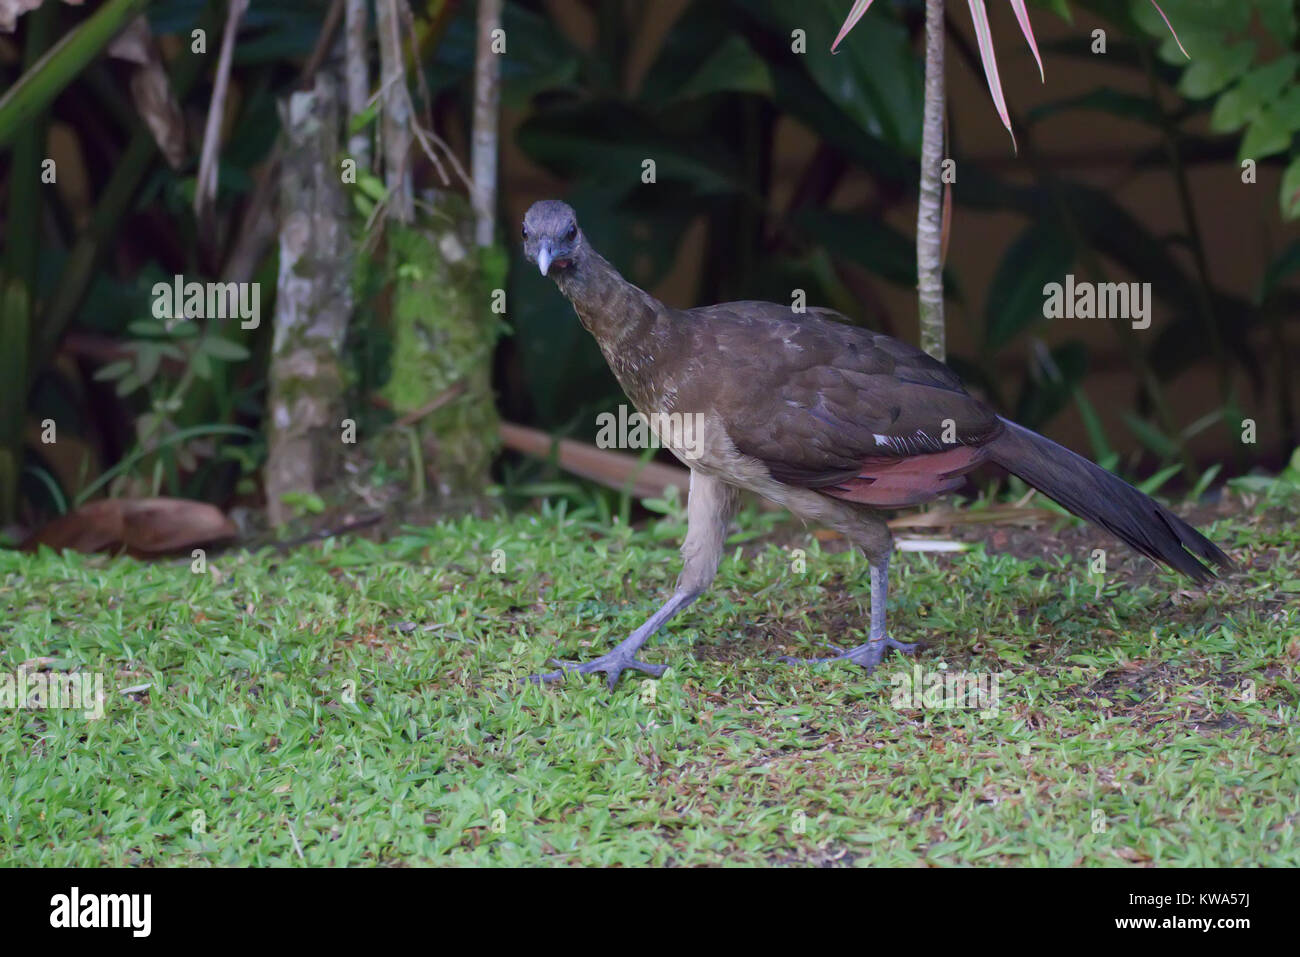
x,y
775,171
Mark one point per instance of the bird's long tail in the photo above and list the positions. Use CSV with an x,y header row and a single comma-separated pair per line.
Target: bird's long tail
x,y
1091,492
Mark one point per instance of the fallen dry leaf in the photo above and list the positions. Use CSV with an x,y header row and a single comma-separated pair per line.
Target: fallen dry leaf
x,y
151,88
145,525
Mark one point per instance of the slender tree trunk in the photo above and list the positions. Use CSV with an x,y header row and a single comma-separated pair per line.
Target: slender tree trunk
x,y
306,431
929,218
444,331
487,108
357,73
396,126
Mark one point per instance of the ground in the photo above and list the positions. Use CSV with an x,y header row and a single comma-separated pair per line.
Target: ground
x,y
358,702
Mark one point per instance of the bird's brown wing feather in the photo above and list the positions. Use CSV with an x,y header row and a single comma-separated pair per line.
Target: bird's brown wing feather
x,y
824,404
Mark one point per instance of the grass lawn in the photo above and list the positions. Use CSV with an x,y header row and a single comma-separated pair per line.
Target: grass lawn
x,y
354,702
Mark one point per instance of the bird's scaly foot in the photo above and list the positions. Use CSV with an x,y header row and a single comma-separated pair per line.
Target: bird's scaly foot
x,y
867,655
612,664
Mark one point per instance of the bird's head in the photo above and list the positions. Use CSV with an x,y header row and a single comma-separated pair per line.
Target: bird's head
x,y
552,238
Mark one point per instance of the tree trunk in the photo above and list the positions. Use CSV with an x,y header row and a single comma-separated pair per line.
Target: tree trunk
x,y
395,129
487,109
929,218
313,301
444,331
357,71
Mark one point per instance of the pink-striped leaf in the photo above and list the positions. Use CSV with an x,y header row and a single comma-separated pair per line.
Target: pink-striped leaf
x,y
859,8
980,16
1171,28
1023,16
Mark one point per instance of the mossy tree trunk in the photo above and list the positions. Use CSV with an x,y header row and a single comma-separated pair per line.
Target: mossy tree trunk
x,y
443,288
306,431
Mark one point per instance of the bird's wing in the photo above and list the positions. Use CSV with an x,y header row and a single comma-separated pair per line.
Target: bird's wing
x,y
831,406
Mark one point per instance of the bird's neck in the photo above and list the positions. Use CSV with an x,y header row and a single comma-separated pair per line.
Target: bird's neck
x,y
629,324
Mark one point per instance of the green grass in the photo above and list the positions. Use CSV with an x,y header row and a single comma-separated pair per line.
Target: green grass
x,y
355,703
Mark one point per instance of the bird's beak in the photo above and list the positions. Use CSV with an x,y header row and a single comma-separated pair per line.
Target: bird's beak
x,y
544,258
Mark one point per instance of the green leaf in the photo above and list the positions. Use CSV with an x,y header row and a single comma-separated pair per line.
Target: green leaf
x,y
868,241
147,357
128,384
1210,73
1060,7
1266,82
1042,254
114,370
733,67
201,364
60,66
363,119
1289,197
1232,110
1055,377
608,143
224,349
1278,18
147,327
1151,437
1128,105
875,78
371,185
1157,481
1282,266
1267,136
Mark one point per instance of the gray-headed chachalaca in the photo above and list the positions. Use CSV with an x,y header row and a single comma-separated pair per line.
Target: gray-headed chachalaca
x,y
827,419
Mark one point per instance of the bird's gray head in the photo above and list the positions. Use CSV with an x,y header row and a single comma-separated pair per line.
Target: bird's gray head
x,y
552,238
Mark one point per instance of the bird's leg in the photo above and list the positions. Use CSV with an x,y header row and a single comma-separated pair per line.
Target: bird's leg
x,y
707,511
868,655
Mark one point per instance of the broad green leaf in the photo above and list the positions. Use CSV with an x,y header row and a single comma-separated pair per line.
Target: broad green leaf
x,y
1232,110
1266,136
1210,73
1042,254
1266,82
1106,100
871,243
875,78
1055,378
1278,18
733,67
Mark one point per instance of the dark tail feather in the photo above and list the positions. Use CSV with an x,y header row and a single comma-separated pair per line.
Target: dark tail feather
x,y
1091,492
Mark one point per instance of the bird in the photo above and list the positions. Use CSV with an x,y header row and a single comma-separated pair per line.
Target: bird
x,y
832,421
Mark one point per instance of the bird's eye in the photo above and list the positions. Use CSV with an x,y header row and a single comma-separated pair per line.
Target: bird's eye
x,y
572,234
525,232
